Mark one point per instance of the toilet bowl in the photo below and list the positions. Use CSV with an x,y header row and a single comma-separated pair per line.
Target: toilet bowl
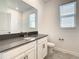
x,y
50,47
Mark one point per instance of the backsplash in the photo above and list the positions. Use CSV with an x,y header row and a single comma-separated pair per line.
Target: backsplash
x,y
15,35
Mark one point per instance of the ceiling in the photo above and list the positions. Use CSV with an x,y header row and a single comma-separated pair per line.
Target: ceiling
x,y
66,1
46,1
62,1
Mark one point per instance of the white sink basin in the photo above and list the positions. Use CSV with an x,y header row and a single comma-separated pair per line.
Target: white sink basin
x,y
29,38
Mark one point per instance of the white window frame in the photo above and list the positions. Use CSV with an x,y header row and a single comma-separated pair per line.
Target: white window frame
x,y
68,15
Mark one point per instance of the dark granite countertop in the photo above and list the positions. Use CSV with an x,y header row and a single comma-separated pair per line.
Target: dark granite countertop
x,y
8,44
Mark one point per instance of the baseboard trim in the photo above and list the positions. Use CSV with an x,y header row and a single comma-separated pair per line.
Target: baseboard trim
x,y
66,51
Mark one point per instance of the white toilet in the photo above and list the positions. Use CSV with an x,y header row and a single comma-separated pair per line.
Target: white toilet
x,y
50,47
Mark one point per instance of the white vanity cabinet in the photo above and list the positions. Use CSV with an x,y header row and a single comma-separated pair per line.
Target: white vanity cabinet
x,y
33,50
27,51
42,48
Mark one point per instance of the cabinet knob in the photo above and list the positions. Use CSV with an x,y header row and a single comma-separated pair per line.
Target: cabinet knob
x,y
43,45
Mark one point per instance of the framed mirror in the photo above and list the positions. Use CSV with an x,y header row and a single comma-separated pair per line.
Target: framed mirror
x,y
17,16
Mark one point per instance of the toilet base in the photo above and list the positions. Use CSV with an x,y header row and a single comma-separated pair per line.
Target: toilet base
x,y
50,50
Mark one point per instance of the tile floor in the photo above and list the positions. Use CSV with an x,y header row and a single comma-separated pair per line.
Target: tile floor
x,y
60,55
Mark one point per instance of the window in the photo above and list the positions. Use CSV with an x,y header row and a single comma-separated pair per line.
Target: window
x,y
32,20
68,15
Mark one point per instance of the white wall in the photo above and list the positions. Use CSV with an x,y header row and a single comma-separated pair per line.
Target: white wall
x,y
50,25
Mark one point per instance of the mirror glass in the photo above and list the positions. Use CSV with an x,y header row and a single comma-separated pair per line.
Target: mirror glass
x,y
17,16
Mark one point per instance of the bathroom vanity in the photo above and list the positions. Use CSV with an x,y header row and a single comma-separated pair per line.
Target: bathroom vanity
x,y
17,18
25,49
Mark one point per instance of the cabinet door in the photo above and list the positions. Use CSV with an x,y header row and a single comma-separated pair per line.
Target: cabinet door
x,y
30,54
42,49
